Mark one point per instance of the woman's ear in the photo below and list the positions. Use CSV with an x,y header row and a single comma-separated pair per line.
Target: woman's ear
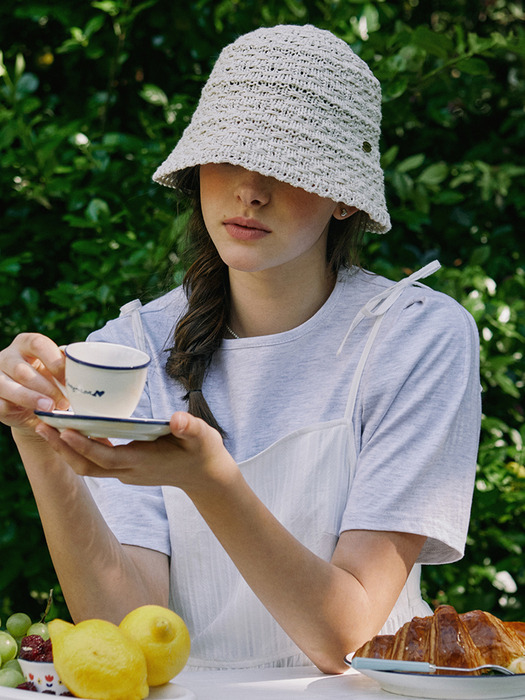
x,y
342,211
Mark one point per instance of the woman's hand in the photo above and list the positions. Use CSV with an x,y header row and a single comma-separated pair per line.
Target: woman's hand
x,y
27,369
193,457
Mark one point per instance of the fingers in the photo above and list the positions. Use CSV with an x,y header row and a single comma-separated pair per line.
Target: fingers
x,y
190,441
27,369
39,348
134,463
204,451
80,452
195,437
94,449
192,458
12,414
14,392
190,428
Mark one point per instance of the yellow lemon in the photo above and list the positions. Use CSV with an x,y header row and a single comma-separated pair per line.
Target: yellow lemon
x,y
94,659
163,638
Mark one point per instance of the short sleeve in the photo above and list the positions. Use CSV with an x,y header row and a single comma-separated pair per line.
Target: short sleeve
x,y
418,421
135,514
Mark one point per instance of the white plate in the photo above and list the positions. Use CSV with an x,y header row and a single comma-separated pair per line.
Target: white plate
x,y
170,691
104,427
424,685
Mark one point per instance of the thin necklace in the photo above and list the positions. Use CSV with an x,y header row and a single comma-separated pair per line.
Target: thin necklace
x,y
232,332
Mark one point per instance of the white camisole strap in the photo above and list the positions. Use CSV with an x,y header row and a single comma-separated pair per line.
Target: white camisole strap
x,y
376,308
133,308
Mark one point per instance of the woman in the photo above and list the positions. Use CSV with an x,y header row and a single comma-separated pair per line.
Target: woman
x,y
324,421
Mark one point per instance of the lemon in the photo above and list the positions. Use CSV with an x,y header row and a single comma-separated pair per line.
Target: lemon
x,y
163,638
94,659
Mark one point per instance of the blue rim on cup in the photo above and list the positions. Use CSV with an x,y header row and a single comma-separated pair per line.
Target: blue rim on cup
x,y
144,360
104,379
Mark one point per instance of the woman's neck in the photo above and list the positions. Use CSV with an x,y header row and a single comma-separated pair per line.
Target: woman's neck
x,y
264,303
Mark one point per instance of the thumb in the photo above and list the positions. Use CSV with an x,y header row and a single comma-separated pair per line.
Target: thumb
x,y
187,427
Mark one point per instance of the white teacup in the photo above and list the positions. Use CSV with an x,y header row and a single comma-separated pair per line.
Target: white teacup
x,y
104,379
43,675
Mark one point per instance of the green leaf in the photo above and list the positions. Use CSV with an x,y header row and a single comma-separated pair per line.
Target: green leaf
x,y
122,141
112,8
78,222
20,65
395,88
447,197
480,255
8,134
154,95
473,66
77,35
403,184
478,44
421,199
437,44
10,266
434,174
87,247
94,25
98,210
411,163
389,157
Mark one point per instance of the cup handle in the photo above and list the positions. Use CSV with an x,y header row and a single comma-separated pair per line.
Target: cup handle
x,y
59,384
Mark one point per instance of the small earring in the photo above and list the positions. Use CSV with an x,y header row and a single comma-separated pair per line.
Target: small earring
x,y
344,213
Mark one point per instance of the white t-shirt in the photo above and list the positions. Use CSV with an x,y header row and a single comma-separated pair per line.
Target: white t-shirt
x,y
418,410
415,423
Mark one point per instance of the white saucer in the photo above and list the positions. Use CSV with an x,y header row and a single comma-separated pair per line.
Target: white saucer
x,y
105,427
425,685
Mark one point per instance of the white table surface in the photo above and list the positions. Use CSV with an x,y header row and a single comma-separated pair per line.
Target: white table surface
x,y
257,684
310,684
280,684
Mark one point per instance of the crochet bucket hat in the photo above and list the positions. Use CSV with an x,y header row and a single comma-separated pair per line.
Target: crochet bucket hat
x,y
297,104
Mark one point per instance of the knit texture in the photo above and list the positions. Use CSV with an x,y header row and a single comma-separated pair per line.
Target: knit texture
x,y
297,104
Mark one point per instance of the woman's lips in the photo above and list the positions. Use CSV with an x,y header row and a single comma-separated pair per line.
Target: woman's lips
x,y
245,229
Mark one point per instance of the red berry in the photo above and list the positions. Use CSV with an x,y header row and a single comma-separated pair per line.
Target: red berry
x,y
46,652
31,647
28,686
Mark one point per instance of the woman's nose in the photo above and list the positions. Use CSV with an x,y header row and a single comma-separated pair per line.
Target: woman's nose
x,y
253,189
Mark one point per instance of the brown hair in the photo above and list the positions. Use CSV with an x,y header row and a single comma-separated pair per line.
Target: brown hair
x,y
200,330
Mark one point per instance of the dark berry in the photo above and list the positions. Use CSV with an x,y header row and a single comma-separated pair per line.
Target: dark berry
x,y
46,652
34,648
28,686
31,647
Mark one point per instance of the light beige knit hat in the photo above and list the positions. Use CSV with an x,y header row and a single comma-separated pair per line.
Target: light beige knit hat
x,y
297,104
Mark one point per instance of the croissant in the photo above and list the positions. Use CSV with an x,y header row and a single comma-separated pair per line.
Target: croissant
x,y
447,638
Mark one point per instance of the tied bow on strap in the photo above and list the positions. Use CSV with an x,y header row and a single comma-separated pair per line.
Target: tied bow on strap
x,y
378,305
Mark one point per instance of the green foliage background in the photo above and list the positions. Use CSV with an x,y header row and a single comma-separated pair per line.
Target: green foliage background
x,y
93,96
